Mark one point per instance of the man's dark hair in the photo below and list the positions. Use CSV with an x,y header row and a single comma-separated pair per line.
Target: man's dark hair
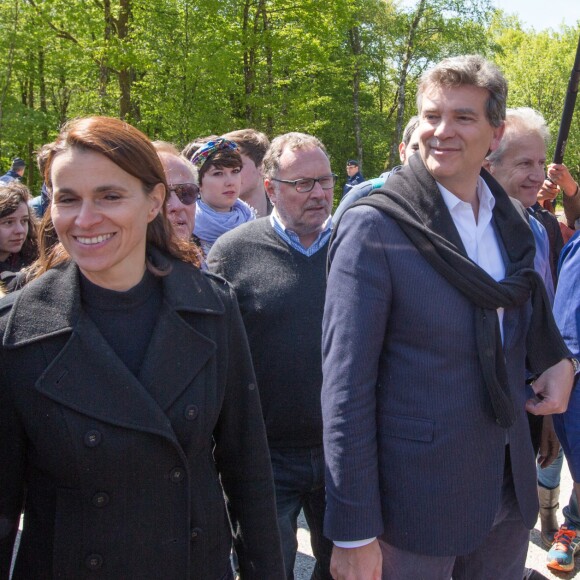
x,y
251,143
472,70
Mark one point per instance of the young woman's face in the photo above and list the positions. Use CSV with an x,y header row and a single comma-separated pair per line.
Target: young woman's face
x,y
13,231
221,187
100,214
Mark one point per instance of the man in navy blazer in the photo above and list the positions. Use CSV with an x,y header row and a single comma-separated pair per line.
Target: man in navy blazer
x,y
430,468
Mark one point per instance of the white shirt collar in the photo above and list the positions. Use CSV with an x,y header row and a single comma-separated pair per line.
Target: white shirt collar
x,y
486,199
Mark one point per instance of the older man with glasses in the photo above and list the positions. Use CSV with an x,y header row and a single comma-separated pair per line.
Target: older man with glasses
x,y
277,266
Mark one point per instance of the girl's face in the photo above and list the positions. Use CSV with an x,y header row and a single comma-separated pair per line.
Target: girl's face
x,y
100,214
13,231
220,187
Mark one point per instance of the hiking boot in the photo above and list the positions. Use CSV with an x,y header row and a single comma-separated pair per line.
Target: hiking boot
x,y
566,543
548,509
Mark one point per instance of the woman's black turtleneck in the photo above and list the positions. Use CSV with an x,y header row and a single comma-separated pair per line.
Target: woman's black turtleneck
x,y
125,319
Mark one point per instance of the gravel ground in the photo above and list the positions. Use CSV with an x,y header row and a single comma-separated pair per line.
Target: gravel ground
x,y
536,552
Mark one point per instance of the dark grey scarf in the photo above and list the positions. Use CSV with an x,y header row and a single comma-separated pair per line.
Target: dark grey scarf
x,y
413,199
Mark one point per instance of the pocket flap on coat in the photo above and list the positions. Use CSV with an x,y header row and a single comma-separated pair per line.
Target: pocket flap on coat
x,y
408,427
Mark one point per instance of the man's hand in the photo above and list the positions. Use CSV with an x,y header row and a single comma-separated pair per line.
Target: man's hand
x,y
364,563
552,388
548,191
549,444
559,174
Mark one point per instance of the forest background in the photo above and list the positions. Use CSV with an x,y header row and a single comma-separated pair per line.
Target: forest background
x,y
343,70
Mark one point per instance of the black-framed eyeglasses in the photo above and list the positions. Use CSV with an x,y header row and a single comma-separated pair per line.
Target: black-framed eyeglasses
x,y
306,184
187,193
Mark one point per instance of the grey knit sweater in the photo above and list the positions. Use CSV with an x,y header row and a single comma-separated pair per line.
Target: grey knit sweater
x,y
281,296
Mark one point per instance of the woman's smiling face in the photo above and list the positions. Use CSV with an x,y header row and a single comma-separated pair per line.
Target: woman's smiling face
x,y
100,214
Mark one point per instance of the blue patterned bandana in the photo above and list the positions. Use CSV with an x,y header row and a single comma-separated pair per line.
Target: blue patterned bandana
x,y
210,147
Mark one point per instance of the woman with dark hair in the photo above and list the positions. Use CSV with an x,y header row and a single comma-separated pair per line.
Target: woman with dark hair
x,y
130,423
18,246
219,209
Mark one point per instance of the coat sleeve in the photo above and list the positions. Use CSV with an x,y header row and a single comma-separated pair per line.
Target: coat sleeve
x,y
571,208
243,461
12,465
355,320
567,301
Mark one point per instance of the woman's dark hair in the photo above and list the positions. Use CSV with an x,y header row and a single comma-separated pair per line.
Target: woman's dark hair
x,y
220,158
12,195
132,151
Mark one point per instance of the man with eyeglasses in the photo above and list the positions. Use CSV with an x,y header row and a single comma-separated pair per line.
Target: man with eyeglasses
x,y
277,267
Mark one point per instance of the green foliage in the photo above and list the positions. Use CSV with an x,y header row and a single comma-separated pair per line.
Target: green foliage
x,y
538,66
345,70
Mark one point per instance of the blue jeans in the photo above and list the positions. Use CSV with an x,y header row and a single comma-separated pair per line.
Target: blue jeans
x,y
549,477
299,484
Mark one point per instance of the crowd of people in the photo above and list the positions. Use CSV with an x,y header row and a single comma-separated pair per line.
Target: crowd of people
x,y
195,349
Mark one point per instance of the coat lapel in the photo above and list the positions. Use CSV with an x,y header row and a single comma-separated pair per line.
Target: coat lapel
x,y
175,355
86,375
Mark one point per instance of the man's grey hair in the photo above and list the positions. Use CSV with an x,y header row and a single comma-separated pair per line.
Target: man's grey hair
x,y
469,70
521,120
291,141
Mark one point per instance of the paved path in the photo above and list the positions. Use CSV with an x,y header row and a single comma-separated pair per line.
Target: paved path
x,y
536,553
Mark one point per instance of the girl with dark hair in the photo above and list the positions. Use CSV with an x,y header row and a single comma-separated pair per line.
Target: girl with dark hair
x,y
219,209
131,433
18,245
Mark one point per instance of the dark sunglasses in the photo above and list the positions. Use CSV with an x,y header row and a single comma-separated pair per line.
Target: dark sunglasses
x,y
187,193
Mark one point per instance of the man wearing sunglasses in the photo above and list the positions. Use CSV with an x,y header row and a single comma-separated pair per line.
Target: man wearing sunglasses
x,y
277,266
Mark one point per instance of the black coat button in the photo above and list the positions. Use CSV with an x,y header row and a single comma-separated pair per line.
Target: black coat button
x,y
176,475
195,533
92,438
191,412
100,499
94,561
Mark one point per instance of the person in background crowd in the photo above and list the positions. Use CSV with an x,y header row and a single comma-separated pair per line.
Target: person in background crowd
x,y
354,176
518,165
252,146
18,239
567,425
40,203
277,266
15,172
183,189
407,147
430,470
129,414
219,210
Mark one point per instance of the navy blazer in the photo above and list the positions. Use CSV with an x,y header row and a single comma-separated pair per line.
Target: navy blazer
x,y
412,448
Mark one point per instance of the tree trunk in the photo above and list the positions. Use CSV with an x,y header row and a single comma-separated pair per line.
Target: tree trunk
x,y
401,90
356,48
6,84
42,92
